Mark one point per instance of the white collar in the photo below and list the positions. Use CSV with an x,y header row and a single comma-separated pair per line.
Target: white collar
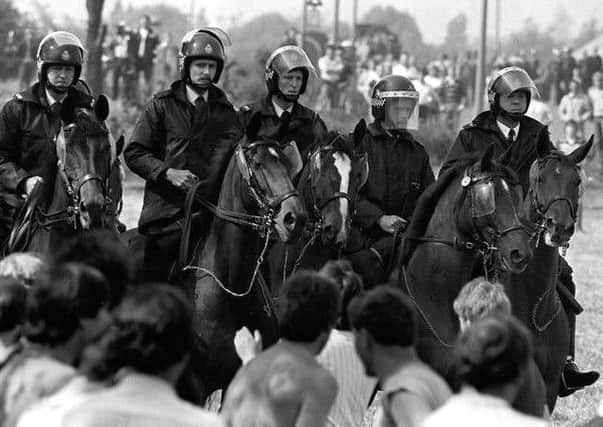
x,y
192,95
51,99
506,129
279,110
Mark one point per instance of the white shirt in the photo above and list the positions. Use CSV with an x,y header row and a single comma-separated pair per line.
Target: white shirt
x,y
540,111
506,129
51,99
192,95
144,33
472,409
355,387
596,98
279,110
51,411
139,400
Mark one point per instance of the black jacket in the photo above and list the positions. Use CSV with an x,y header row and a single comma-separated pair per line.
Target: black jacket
x,y
399,171
27,131
483,131
170,133
306,127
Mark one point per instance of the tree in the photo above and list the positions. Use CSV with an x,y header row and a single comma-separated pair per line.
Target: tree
x,y
456,34
588,31
400,23
94,42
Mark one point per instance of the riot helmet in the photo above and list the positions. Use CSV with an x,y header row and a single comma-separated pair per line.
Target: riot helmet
x,y
59,48
203,43
506,81
395,103
284,60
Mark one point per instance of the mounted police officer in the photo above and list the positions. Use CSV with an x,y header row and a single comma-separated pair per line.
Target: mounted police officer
x,y
287,73
399,171
186,134
30,121
506,127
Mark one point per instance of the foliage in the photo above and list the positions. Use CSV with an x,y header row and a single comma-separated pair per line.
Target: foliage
x,y
400,23
456,35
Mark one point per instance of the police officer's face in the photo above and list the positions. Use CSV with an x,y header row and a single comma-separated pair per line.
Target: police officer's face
x,y
515,102
61,76
203,71
398,111
290,84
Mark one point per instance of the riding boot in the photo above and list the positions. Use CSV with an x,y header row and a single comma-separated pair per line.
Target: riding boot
x,y
572,379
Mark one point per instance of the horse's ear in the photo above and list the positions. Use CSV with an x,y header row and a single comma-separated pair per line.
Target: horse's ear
x,y
101,108
579,154
364,169
254,125
543,145
359,131
119,145
486,161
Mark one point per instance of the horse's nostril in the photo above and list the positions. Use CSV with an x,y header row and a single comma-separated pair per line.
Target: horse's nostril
x,y
517,257
83,207
290,220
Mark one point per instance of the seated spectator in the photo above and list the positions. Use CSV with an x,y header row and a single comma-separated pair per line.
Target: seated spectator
x,y
12,314
491,359
145,349
285,385
25,267
385,329
481,298
66,308
104,251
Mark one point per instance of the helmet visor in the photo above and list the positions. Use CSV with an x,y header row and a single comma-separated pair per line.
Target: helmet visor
x,y
288,58
401,109
511,79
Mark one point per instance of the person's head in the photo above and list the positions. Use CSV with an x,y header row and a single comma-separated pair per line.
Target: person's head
x,y
574,86
571,130
598,79
67,305
510,91
395,103
207,44
104,251
330,51
382,319
25,267
308,308
145,21
60,58
13,297
480,298
287,72
433,70
492,354
150,332
350,285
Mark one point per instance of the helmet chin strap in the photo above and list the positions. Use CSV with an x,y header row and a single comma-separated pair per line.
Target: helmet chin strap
x,y
511,116
200,89
57,89
286,98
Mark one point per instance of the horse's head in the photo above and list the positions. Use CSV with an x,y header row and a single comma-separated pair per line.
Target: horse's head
x,y
267,168
489,213
555,186
86,153
336,175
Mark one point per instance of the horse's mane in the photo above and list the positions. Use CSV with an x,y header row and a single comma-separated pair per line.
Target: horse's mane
x,y
341,142
429,199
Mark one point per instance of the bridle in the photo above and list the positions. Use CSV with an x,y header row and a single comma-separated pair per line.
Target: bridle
x,y
484,246
538,207
70,214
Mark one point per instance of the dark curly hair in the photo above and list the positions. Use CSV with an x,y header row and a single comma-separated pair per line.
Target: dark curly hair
x,y
13,295
309,305
387,314
151,330
350,285
493,351
60,299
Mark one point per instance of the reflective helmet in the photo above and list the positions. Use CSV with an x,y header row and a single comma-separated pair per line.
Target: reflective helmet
x,y
506,81
60,48
286,59
395,102
208,43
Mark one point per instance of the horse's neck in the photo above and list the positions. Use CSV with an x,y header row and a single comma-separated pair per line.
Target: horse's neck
x,y
230,250
304,187
443,222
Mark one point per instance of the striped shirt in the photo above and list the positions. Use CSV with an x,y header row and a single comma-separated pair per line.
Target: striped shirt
x,y
355,387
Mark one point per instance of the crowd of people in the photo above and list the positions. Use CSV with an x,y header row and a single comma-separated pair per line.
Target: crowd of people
x,y
84,343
